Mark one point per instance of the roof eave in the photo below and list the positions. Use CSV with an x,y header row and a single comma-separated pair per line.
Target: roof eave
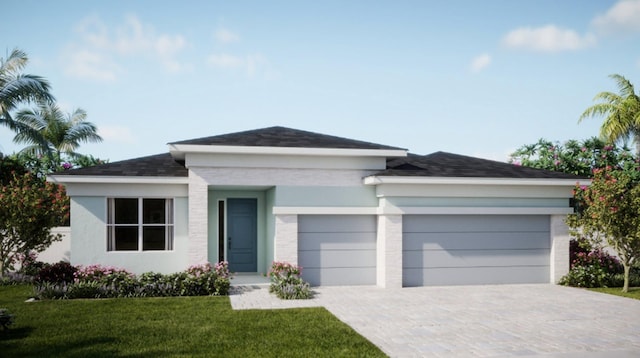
x,y
377,180
178,151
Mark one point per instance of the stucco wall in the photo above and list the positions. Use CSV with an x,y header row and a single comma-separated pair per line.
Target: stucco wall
x,y
59,250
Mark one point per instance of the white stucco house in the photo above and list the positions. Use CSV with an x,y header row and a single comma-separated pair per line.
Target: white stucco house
x,y
349,212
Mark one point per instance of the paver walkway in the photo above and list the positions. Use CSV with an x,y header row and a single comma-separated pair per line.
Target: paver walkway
x,y
483,321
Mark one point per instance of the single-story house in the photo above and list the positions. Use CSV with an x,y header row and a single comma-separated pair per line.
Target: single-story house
x,y
349,212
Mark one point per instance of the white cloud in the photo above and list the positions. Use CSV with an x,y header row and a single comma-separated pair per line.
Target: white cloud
x,y
549,38
90,65
480,62
225,36
116,134
624,16
96,53
253,64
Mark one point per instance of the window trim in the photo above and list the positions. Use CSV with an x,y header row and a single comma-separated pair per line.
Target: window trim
x,y
169,224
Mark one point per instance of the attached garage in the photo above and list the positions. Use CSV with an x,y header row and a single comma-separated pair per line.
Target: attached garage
x,y
337,250
475,249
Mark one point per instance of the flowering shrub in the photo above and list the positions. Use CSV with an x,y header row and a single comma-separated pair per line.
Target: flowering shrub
x,y
590,267
286,282
105,281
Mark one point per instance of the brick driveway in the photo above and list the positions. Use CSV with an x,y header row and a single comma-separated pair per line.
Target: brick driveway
x,y
484,321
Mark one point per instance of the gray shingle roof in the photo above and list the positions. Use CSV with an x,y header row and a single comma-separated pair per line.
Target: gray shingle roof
x,y
284,137
159,165
442,164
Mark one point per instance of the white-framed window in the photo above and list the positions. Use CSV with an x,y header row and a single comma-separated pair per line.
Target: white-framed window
x,y
139,224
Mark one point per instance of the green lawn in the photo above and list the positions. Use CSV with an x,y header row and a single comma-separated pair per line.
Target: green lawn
x,y
180,326
634,292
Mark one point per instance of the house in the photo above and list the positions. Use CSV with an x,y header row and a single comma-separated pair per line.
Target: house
x,y
349,212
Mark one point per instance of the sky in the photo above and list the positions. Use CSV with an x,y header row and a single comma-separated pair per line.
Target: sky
x,y
478,78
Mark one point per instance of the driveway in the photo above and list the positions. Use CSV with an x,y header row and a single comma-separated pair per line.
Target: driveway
x,y
484,321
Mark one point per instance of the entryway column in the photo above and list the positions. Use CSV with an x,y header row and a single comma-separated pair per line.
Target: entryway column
x,y
559,265
389,251
198,219
286,240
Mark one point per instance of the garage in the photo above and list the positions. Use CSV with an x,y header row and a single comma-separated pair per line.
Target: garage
x,y
475,249
337,250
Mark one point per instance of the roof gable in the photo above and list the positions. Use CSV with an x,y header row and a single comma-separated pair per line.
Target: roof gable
x,y
283,137
442,164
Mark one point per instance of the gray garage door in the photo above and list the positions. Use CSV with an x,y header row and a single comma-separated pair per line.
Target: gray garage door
x,y
475,249
337,250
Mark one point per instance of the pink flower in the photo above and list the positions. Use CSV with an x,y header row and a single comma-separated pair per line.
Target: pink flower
x,y
584,149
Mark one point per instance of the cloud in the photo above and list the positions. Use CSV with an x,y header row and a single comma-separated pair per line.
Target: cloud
x,y
252,65
624,16
549,38
116,134
225,36
480,62
98,50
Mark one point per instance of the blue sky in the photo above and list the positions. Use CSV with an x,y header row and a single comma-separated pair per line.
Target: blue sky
x,y
478,78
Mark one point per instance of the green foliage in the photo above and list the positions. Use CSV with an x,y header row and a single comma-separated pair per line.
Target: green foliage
x,y
58,273
8,168
6,318
286,282
586,276
203,326
590,266
30,208
611,212
574,157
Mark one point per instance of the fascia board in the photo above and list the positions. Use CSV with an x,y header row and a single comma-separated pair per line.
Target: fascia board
x,y
85,179
377,180
179,150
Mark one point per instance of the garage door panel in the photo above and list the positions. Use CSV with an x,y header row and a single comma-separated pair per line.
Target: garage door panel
x,y
474,223
475,258
336,241
479,240
478,276
346,259
340,277
337,250
336,223
475,249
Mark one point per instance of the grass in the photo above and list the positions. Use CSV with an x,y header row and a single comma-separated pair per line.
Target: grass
x,y
176,327
634,292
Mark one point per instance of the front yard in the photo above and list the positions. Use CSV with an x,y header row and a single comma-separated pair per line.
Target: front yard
x,y
634,292
175,326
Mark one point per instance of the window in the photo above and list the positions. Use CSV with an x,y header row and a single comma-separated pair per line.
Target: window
x,y
135,224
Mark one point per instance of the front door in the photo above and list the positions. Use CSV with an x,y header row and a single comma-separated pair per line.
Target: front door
x,y
242,234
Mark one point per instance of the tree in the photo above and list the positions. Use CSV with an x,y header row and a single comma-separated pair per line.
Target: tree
x,y
612,213
621,112
30,208
17,88
573,157
52,134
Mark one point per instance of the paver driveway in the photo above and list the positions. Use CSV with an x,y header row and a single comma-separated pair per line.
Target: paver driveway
x,y
486,321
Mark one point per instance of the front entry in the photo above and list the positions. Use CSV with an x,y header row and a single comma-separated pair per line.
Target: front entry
x,y
242,235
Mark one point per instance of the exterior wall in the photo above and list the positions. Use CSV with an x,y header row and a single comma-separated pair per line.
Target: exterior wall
x,y
559,248
313,196
270,225
89,244
389,251
286,238
59,250
198,219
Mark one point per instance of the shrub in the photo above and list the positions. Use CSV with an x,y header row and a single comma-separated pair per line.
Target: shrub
x,y
61,272
30,266
286,282
590,267
89,289
50,291
6,319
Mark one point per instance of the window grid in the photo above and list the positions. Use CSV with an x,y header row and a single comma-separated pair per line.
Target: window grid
x,y
168,225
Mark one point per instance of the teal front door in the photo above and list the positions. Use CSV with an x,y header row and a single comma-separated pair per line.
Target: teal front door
x,y
242,235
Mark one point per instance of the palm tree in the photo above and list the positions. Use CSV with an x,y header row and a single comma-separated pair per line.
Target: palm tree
x,y
16,88
50,133
621,111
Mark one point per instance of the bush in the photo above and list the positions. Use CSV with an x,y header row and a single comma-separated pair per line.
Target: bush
x,y
286,282
591,267
61,272
50,291
6,319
